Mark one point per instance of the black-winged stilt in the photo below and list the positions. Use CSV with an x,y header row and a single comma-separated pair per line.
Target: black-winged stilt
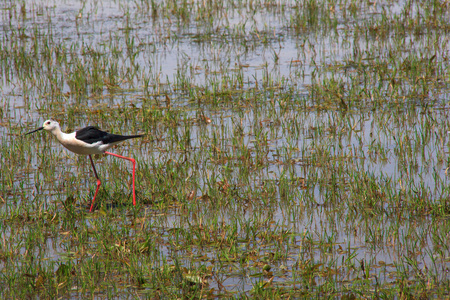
x,y
87,141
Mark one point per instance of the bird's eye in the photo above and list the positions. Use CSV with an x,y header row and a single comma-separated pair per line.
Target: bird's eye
x,y
48,123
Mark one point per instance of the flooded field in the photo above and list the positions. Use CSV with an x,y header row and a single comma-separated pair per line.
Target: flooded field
x,y
292,149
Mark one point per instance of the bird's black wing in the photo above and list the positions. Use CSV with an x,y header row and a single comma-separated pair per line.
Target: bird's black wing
x,y
90,135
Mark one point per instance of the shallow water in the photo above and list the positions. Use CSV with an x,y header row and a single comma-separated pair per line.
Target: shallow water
x,y
150,63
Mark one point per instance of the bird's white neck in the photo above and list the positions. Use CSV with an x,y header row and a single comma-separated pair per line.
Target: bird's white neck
x,y
56,131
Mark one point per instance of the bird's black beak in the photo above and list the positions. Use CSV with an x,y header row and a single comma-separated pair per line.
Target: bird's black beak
x,y
40,128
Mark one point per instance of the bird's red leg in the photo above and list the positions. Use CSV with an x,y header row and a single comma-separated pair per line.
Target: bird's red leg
x,y
98,183
134,169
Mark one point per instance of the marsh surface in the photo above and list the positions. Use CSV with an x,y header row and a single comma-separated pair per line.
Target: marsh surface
x,y
291,149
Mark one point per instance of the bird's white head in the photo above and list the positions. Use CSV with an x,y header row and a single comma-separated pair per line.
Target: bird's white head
x,y
49,125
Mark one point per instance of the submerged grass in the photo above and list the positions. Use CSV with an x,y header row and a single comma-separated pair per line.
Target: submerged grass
x,y
291,149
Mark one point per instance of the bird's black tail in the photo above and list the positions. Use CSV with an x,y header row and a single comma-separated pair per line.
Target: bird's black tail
x,y
114,138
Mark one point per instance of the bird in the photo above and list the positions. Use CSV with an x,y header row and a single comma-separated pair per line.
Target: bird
x,y
88,141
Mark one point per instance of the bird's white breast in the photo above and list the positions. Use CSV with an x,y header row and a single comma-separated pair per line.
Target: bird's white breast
x,y
69,141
